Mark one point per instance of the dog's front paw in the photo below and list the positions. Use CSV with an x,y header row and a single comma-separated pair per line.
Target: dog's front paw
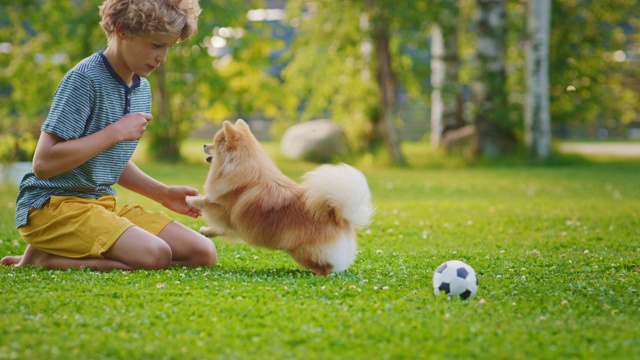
x,y
194,201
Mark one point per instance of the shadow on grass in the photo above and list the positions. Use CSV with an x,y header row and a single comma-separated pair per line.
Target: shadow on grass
x,y
276,273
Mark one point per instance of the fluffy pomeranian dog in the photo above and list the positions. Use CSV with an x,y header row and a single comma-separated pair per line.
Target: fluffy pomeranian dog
x,y
248,199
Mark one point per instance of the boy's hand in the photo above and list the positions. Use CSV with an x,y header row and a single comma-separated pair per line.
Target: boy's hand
x,y
132,126
174,200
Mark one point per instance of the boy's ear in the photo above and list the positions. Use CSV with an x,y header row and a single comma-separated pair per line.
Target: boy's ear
x,y
119,33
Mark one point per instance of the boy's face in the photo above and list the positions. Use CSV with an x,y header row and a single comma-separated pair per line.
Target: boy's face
x,y
143,54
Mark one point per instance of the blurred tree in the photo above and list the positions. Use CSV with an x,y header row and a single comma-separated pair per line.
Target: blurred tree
x,y
446,96
593,74
328,68
495,136
219,74
35,52
386,79
349,60
537,119
43,39
332,65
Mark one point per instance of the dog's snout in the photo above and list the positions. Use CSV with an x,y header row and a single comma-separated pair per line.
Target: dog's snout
x,y
204,147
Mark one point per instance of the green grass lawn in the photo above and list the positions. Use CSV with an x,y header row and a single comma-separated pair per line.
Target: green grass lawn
x,y
556,249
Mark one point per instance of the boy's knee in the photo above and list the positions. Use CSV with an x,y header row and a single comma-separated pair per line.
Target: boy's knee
x,y
156,257
206,254
213,255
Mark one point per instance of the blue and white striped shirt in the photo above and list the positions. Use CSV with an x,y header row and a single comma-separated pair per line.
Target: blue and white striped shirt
x,y
90,97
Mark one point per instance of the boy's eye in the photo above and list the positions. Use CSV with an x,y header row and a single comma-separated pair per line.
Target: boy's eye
x,y
161,46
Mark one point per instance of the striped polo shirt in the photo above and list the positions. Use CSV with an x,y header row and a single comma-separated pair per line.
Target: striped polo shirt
x,y
90,97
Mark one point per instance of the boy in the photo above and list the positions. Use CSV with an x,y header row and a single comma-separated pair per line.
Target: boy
x,y
66,209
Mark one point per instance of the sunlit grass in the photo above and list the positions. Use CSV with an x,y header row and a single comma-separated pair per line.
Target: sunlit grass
x,y
555,247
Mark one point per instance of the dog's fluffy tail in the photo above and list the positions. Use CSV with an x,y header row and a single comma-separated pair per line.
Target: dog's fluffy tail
x,y
341,188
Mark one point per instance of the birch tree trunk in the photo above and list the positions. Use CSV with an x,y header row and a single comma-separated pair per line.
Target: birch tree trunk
x,y
537,118
495,138
437,79
446,99
386,81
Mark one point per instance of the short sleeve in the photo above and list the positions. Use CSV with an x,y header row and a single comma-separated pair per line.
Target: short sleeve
x,y
71,107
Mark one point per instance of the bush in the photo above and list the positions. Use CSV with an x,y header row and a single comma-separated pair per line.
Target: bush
x,y
14,148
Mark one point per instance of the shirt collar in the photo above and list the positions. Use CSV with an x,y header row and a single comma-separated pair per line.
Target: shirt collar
x,y
117,77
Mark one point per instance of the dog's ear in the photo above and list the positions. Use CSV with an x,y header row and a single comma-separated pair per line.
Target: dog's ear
x,y
242,125
229,131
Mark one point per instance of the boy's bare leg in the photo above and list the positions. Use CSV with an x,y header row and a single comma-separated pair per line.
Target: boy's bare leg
x,y
189,248
135,249
39,258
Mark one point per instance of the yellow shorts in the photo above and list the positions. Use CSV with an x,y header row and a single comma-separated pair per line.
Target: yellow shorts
x,y
74,227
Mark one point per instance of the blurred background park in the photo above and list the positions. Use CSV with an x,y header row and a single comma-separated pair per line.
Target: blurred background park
x,y
421,89
477,78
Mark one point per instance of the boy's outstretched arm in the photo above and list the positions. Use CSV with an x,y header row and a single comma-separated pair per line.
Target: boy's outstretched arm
x,y
171,197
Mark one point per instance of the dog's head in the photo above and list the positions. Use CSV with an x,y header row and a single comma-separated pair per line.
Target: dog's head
x,y
233,146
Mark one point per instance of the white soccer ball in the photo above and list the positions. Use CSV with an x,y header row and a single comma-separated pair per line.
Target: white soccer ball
x,y
456,279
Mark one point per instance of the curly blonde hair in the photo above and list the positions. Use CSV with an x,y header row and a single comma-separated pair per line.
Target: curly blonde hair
x,y
150,17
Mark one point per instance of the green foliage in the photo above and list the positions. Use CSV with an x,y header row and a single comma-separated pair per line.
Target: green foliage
x,y
328,67
587,83
555,249
331,64
328,71
16,148
48,37
223,86
196,87
44,42
40,33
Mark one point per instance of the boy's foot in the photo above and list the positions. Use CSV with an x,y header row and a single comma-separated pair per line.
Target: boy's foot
x,y
32,256
11,260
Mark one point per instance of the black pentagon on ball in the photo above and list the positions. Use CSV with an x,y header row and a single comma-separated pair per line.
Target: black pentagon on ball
x,y
465,295
444,287
441,268
462,273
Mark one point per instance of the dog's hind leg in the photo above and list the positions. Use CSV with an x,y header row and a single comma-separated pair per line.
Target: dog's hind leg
x,y
305,261
323,271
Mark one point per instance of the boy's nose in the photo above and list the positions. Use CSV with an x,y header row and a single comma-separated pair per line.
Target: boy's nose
x,y
162,58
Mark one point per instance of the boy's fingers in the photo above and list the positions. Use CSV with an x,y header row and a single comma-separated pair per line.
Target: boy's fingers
x,y
192,192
